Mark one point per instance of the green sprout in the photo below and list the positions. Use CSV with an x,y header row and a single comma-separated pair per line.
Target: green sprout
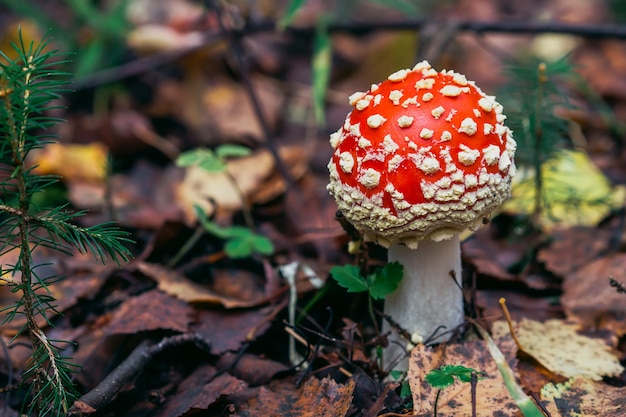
x,y
382,282
241,242
446,375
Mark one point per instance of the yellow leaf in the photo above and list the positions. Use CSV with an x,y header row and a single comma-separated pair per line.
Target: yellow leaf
x,y
73,162
558,347
575,192
583,397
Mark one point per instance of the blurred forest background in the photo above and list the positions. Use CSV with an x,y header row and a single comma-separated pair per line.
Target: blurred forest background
x,y
201,128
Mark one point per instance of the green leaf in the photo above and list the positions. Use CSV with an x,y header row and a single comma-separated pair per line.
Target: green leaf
x,y
213,165
290,14
193,157
243,242
238,248
405,389
349,277
230,150
209,160
385,280
444,376
262,245
321,68
210,226
396,375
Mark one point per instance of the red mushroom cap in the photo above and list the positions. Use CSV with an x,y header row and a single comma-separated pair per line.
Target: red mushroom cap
x,y
424,154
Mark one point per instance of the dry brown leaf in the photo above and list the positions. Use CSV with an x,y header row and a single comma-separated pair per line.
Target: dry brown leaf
x,y
181,287
229,330
591,301
455,401
558,347
199,391
227,108
583,397
317,398
256,176
572,248
152,310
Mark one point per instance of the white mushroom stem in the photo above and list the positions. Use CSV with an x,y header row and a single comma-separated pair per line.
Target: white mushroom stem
x,y
427,297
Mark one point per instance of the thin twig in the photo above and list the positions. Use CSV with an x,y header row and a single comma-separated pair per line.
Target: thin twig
x,y
234,39
141,65
498,26
473,382
107,389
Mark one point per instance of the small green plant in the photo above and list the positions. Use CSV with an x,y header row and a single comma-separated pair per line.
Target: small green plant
x,y
212,160
378,285
444,376
29,84
241,242
215,161
405,387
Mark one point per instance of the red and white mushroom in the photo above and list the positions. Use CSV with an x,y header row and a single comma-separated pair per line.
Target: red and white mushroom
x,y
423,156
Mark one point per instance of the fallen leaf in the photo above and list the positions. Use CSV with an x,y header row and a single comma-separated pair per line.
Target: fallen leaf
x,y
491,256
227,108
73,162
590,300
575,192
520,304
228,330
251,368
181,287
572,248
455,401
558,347
316,398
583,397
371,397
199,391
143,198
152,310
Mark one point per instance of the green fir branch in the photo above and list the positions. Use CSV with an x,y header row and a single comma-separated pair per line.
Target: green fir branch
x,y
30,87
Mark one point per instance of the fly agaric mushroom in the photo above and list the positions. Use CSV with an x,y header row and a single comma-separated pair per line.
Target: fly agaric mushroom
x,y
423,156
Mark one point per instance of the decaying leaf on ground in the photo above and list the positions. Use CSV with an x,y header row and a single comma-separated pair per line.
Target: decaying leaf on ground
x,y
558,346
